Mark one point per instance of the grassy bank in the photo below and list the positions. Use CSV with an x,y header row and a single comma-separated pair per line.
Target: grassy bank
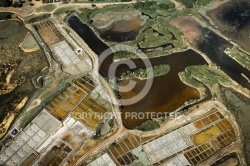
x,y
46,8
194,3
148,126
146,73
241,57
208,75
157,37
46,95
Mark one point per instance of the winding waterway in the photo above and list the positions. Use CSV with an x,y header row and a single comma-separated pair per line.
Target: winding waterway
x,y
214,46
233,20
168,92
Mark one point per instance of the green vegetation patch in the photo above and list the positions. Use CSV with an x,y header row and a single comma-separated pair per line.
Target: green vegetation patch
x,y
242,57
192,3
100,1
63,10
38,18
187,78
148,126
151,8
238,105
111,8
46,8
158,32
210,76
64,81
146,73
157,37
85,15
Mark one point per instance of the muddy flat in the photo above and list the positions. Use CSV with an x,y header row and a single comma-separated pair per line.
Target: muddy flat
x,y
189,27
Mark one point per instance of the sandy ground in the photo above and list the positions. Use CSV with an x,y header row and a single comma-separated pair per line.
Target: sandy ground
x,y
8,86
178,5
22,103
6,124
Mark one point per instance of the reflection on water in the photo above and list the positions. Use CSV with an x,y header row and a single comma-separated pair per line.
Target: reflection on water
x,y
168,92
213,46
233,20
122,30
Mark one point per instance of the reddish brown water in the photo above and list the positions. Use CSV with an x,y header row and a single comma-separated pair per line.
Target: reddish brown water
x,y
167,93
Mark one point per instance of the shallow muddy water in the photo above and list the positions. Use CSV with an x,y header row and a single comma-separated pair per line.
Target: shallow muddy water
x,y
233,20
122,30
167,93
213,46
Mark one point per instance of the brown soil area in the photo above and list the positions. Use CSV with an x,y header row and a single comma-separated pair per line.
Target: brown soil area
x,y
88,146
17,68
56,155
105,19
127,25
189,27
